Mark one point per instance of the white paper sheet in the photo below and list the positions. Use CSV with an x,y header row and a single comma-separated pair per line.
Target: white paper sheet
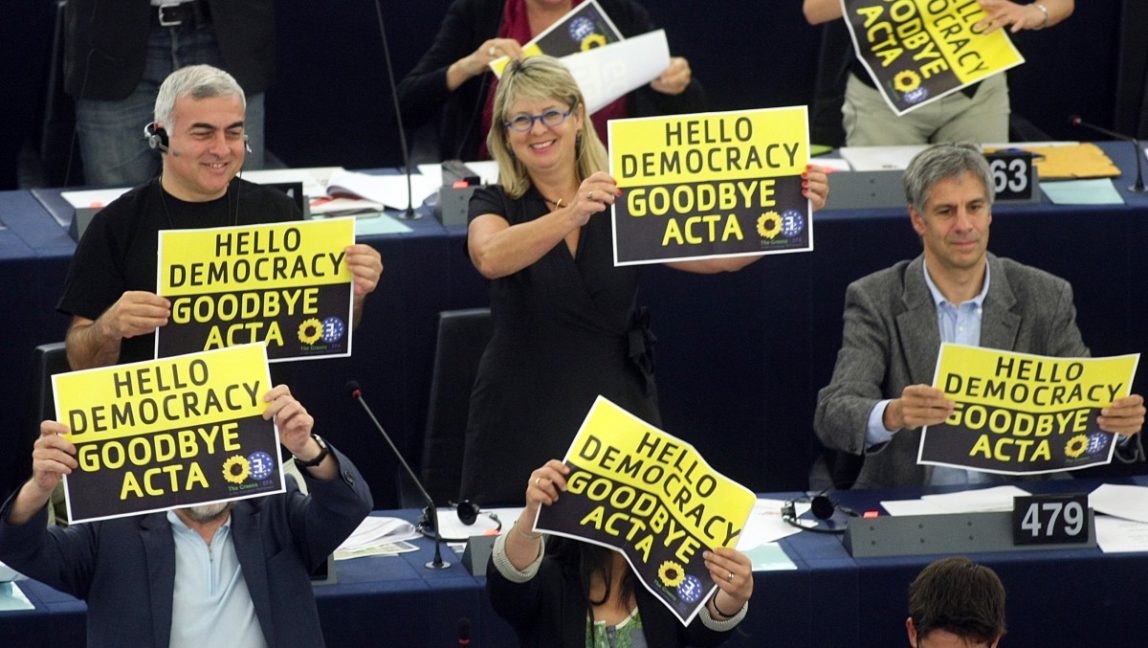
x,y
486,169
997,498
880,158
606,73
390,190
1114,535
314,179
765,524
1127,502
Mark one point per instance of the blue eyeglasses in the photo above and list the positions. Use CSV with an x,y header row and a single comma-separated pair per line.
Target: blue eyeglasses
x,y
523,122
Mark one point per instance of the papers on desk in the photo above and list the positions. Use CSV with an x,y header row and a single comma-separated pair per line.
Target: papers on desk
x,y
13,598
1124,528
769,557
998,498
879,158
487,170
1098,191
765,524
378,536
389,190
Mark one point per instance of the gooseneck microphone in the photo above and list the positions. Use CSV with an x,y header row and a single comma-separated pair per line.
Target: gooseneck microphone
x,y
357,393
1138,187
409,213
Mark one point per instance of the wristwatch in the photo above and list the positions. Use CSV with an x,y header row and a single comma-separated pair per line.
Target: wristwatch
x,y
323,452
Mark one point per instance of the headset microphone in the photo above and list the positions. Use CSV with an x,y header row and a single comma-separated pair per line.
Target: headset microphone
x,y
156,137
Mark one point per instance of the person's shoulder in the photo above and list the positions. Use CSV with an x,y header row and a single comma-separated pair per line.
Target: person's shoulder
x,y
122,211
1023,278
886,279
274,205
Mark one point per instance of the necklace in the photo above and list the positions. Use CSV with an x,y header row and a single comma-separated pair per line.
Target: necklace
x,y
228,210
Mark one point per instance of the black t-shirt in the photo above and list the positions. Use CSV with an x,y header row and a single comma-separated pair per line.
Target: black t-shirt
x,y
119,250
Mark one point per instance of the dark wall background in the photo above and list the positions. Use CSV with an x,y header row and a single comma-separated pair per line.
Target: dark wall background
x,y
332,102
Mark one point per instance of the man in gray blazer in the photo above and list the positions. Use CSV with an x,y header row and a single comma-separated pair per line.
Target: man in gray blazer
x,y
956,291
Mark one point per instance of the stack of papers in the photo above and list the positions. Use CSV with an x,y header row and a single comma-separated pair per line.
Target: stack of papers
x,y
378,536
998,498
1124,527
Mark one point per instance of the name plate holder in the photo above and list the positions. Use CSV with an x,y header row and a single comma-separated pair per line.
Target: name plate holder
x,y
957,533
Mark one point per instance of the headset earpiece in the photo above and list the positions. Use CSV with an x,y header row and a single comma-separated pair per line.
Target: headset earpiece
x,y
247,142
156,137
822,507
467,512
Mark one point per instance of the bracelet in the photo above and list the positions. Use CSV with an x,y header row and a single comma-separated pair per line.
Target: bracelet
x,y
531,536
1043,10
719,610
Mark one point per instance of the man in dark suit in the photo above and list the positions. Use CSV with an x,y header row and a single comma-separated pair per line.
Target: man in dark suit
x,y
224,574
956,291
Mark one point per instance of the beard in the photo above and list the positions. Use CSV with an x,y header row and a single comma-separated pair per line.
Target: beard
x,y
207,512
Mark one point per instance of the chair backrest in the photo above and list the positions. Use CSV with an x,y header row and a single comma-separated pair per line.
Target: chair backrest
x,y
48,359
462,338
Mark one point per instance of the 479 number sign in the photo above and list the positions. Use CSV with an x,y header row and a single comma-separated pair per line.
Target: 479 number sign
x,y
1050,519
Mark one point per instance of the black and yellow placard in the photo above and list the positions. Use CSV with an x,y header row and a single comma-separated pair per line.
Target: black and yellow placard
x,y
710,185
583,28
285,284
169,433
1022,414
638,490
918,51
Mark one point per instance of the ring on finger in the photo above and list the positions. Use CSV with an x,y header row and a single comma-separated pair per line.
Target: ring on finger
x,y
538,482
491,51
729,577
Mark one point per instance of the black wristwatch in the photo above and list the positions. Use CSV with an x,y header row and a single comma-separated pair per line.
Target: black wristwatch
x,y
323,452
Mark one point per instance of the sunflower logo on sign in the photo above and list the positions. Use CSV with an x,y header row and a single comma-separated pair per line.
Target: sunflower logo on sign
x,y
769,225
671,574
310,330
1076,446
236,469
906,81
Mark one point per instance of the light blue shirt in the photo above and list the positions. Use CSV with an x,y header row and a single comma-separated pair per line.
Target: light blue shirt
x,y
211,605
959,324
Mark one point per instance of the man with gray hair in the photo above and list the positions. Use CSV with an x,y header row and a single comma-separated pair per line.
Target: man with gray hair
x,y
110,290
955,291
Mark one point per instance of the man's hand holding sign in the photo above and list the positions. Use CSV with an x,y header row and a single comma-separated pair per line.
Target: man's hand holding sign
x,y
1015,413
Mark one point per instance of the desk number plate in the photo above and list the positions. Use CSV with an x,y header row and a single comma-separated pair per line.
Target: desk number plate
x,y
1013,174
1050,519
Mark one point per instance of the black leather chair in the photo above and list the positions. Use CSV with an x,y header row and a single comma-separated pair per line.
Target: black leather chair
x,y
462,338
48,360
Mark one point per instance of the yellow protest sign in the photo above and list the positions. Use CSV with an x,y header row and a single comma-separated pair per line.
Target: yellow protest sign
x,y
1018,413
284,284
710,185
639,490
583,28
918,51
168,433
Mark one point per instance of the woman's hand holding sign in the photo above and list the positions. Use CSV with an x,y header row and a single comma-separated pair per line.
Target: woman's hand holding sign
x,y
732,571
542,490
595,195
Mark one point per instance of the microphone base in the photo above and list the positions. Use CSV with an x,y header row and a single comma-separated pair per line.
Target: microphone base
x,y
1136,188
409,214
442,564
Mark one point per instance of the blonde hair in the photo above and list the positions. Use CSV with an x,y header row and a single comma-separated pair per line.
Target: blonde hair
x,y
539,78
